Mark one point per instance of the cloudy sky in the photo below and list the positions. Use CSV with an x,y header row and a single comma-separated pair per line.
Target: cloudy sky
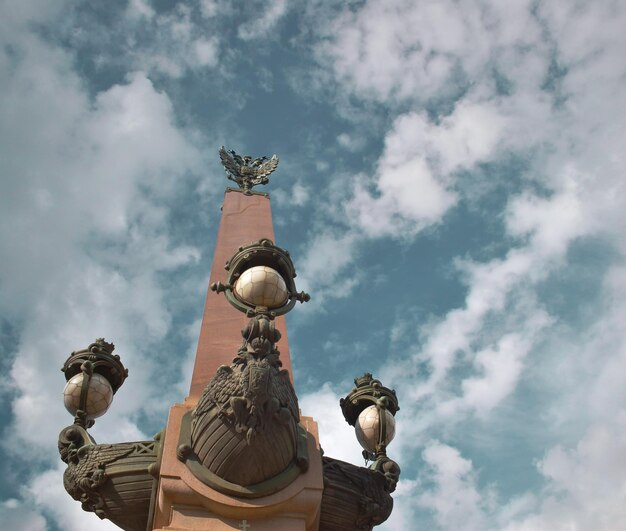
x,y
451,188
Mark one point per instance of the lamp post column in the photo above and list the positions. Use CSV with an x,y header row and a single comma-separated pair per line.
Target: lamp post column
x,y
236,454
204,478
245,219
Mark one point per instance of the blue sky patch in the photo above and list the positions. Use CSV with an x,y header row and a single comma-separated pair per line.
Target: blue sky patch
x,y
450,188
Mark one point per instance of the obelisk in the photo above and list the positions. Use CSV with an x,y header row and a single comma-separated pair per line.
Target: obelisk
x,y
182,502
246,218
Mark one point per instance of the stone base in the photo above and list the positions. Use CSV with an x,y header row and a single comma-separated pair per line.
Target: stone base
x,y
184,503
186,518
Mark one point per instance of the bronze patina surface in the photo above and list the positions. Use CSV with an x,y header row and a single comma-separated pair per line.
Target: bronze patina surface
x,y
265,253
240,434
115,481
245,429
246,171
354,498
369,391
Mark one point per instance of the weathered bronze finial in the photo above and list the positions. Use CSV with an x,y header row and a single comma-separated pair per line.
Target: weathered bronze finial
x,y
246,171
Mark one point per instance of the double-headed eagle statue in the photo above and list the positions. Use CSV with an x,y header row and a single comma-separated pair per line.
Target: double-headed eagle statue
x,y
246,171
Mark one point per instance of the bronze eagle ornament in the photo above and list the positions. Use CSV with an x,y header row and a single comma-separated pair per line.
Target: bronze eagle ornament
x,y
247,411
246,171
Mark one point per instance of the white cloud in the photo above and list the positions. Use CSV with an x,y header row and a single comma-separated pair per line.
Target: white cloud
x,y
337,437
552,222
298,196
415,178
206,51
325,269
174,42
553,104
46,492
454,498
413,189
416,172
209,8
260,26
499,326
397,50
87,185
352,142
140,8
585,485
16,517
402,516
499,368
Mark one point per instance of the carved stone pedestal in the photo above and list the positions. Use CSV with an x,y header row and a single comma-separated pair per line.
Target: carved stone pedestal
x,y
185,503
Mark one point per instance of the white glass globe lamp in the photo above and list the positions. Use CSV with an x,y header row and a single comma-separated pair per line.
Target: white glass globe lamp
x,y
368,428
98,397
261,286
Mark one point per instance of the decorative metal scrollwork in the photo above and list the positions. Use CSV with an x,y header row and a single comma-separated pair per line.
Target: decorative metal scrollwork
x,y
246,171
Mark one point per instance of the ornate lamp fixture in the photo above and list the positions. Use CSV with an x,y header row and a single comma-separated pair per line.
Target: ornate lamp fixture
x,y
93,376
261,280
371,407
239,449
249,409
356,497
112,480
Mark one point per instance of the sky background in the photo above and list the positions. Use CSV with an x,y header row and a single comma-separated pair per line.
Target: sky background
x,y
451,189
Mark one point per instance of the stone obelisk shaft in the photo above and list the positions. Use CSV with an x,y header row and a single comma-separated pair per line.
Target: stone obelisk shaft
x,y
184,502
245,219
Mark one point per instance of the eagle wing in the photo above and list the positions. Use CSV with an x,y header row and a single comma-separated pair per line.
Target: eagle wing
x,y
224,385
105,454
89,472
267,167
229,163
286,395
96,456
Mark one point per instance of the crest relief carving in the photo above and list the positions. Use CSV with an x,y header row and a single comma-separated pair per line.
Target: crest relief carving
x,y
244,436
